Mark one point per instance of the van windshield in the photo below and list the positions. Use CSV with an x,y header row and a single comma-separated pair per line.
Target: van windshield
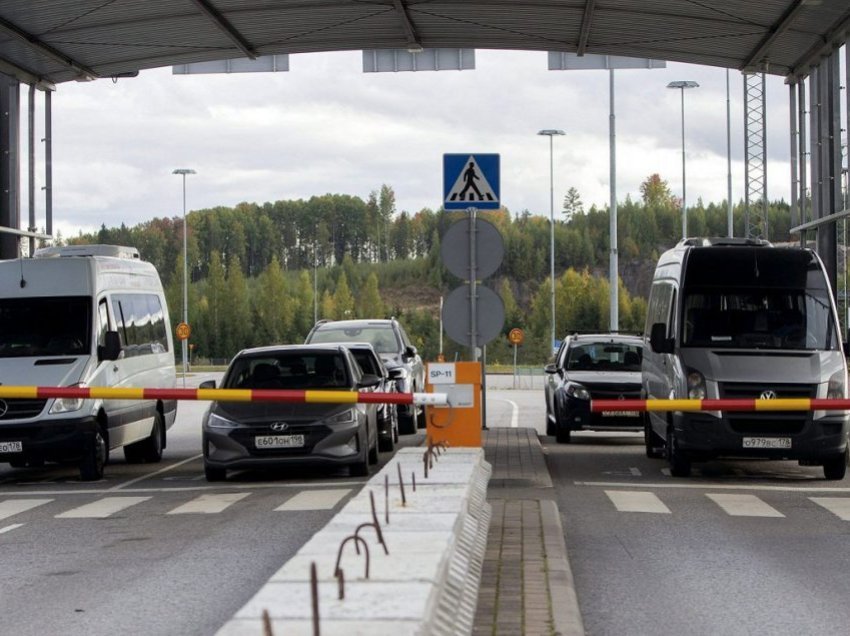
x,y
759,319
58,326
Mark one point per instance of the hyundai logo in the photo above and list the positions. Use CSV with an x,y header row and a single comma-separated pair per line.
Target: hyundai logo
x,y
280,426
4,408
770,394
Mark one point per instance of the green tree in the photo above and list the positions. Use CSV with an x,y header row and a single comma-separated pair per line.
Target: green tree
x,y
273,308
343,300
237,310
572,204
370,304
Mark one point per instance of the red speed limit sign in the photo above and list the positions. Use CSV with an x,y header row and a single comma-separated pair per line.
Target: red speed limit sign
x,y
516,336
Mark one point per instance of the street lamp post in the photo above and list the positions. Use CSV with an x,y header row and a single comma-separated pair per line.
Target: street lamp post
x,y
184,172
551,133
682,85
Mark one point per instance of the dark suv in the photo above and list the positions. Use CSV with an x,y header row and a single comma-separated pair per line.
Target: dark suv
x,y
593,366
393,345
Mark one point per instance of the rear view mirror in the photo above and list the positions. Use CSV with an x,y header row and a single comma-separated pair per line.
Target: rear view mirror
x,y
658,340
395,372
409,351
207,384
111,347
550,368
368,380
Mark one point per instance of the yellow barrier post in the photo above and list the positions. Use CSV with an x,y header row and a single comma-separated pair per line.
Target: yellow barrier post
x,y
458,424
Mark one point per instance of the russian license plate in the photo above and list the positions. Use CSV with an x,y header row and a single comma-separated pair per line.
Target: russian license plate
x,y
279,441
11,447
620,414
767,442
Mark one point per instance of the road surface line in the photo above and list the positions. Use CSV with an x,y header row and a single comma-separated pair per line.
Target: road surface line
x,y
102,508
712,486
315,499
744,505
637,501
209,504
14,526
839,506
154,474
12,507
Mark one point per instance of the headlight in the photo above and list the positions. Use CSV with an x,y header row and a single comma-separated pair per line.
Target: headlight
x,y
216,421
578,391
346,417
66,405
836,388
696,385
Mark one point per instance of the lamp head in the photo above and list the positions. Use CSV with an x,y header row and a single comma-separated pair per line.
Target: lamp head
x,y
183,171
551,132
683,84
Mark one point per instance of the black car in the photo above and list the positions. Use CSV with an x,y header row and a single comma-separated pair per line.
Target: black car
x,y
393,345
371,363
593,366
273,434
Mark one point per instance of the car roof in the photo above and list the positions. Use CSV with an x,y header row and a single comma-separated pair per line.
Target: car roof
x,y
606,337
272,349
352,323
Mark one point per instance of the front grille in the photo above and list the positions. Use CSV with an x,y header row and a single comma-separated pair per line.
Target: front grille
x,y
752,390
19,409
768,424
628,391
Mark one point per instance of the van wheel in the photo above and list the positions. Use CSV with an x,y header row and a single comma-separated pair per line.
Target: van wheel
x,y
835,468
94,457
649,440
148,450
680,464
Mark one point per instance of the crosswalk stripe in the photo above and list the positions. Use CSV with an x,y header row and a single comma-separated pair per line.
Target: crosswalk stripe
x,y
209,504
839,506
12,507
14,526
744,505
315,499
101,508
637,501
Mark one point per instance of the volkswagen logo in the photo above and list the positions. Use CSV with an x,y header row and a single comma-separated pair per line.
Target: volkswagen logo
x,y
4,408
770,394
279,426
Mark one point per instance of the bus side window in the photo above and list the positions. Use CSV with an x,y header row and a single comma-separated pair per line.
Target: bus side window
x,y
102,322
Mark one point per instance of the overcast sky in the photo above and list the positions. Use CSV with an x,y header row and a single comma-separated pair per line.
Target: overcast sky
x,y
327,127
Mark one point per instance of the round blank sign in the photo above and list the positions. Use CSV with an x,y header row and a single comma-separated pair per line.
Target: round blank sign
x,y
489,313
489,249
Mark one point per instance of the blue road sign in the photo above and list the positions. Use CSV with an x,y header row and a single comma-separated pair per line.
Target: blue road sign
x,y
471,181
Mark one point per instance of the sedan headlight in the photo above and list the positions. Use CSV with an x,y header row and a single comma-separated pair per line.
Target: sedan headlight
x,y
346,417
836,388
217,421
578,391
696,385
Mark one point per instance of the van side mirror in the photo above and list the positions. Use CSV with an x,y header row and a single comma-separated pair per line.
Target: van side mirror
x,y
111,347
658,340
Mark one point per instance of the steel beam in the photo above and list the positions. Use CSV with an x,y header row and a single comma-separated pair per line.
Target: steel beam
x,y
10,171
586,21
228,29
413,44
47,50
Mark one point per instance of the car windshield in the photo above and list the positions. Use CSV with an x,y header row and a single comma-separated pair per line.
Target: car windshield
x,y
288,371
761,319
59,326
381,337
604,356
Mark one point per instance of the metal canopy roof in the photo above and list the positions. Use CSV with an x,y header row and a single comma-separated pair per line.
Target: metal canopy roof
x,y
51,41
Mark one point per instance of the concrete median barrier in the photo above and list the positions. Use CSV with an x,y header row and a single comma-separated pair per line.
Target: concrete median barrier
x,y
428,582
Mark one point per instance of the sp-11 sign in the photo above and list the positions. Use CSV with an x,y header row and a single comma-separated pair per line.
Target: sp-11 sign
x,y
441,373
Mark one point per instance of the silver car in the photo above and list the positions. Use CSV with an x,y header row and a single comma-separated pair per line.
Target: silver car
x,y
261,434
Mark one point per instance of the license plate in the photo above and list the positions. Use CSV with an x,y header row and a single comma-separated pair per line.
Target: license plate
x,y
767,442
620,414
11,447
279,441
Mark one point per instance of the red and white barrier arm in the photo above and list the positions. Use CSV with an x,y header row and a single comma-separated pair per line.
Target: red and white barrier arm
x,y
222,395
779,404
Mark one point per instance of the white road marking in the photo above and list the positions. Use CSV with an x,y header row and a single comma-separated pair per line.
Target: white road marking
x,y
315,499
12,507
636,472
14,526
514,411
839,506
101,508
714,486
357,483
666,471
153,474
209,504
744,505
637,501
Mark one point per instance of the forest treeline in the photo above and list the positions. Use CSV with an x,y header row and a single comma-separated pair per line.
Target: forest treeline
x,y
261,273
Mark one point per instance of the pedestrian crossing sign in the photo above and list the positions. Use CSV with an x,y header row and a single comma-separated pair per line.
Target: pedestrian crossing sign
x,y
471,181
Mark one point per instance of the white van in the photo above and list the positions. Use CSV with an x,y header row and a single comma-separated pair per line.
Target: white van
x,y
83,316
741,319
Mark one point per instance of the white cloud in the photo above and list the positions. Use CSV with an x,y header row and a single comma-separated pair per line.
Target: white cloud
x,y
327,127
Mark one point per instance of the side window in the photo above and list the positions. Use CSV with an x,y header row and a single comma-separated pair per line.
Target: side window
x,y
660,307
102,322
159,337
141,323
